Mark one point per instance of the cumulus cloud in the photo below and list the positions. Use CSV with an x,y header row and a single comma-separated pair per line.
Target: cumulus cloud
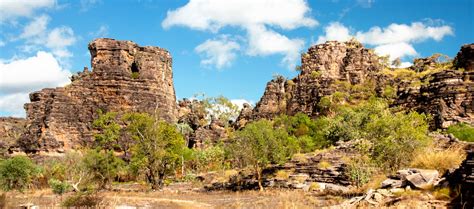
x,y
266,42
21,76
13,104
396,50
88,4
395,40
36,35
12,9
397,33
33,73
219,52
335,31
251,16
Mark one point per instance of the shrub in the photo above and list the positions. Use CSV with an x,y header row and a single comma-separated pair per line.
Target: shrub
x,y
360,170
158,149
282,175
83,200
59,187
324,165
208,159
17,173
102,166
462,131
441,160
259,144
135,75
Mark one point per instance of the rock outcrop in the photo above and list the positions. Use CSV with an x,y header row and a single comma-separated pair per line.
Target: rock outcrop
x,y
124,77
446,94
10,131
322,66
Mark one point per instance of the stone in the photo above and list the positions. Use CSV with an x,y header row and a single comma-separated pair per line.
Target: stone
x,y
10,131
125,77
465,58
392,183
422,179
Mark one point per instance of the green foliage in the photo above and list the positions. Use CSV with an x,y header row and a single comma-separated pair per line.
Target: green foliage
x,y
220,108
17,173
102,166
109,130
360,170
58,187
135,75
315,74
462,131
389,92
211,158
259,144
158,148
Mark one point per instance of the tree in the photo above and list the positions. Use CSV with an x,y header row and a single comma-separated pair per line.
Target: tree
x,y
397,62
109,130
158,147
103,166
259,144
17,173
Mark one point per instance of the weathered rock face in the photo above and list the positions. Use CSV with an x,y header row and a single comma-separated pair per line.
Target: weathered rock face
x,y
201,132
322,66
10,131
447,95
124,77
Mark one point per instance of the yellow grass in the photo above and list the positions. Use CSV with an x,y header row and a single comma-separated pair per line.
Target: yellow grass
x,y
441,160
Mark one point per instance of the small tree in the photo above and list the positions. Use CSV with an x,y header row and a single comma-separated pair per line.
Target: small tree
x,y
17,173
158,147
102,166
259,144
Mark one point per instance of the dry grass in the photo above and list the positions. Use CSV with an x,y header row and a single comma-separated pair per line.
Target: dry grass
x,y
324,165
441,160
300,158
282,175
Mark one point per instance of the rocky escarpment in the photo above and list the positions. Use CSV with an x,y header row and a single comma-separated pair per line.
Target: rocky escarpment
x,y
124,77
10,131
321,66
445,94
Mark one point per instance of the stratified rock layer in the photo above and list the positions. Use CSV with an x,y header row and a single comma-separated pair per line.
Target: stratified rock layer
x,y
10,131
322,66
447,95
124,77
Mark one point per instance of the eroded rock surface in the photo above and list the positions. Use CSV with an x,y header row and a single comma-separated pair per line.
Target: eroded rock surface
x,y
124,77
10,131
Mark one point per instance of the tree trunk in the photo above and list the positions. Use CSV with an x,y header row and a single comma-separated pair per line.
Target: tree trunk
x,y
259,178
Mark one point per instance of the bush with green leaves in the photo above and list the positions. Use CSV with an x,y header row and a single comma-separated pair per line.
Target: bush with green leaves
x,y
462,131
259,144
83,200
102,166
58,187
207,159
158,150
17,173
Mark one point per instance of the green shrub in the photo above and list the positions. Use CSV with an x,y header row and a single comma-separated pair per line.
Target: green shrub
x,y
17,173
462,131
135,75
102,166
59,187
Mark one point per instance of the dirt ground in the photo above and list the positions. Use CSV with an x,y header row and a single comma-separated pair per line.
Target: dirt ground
x,y
181,196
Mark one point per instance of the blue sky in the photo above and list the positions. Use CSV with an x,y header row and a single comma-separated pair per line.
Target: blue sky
x,y
229,48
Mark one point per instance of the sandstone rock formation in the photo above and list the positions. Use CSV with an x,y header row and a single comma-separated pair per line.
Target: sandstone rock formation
x,y
322,66
10,131
445,94
124,77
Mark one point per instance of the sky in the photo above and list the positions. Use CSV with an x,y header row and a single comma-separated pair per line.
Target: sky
x,y
219,47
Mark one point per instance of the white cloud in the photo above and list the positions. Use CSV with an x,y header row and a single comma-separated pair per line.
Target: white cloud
x,y
396,33
251,16
37,35
266,42
102,32
2,43
240,102
36,27
13,104
396,50
365,3
395,40
12,9
219,52
33,73
335,31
